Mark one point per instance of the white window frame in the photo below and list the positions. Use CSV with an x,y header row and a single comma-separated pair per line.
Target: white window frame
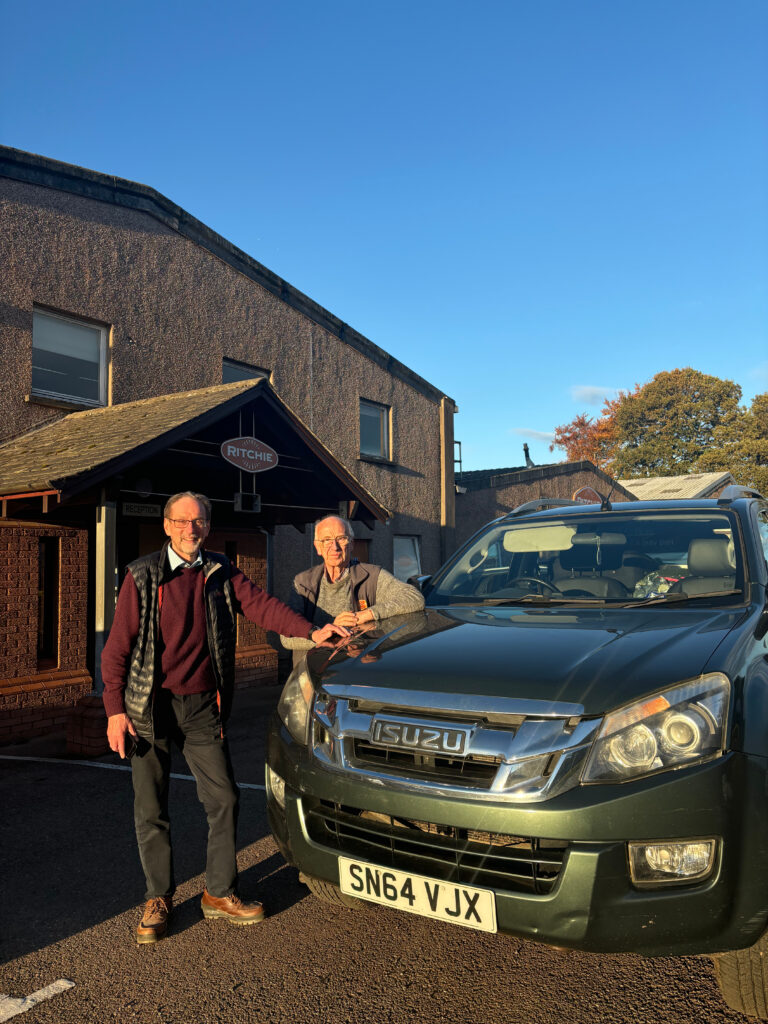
x,y
416,541
385,430
236,364
60,396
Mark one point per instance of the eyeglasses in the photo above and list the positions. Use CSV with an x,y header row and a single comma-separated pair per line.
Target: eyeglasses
x,y
341,541
182,524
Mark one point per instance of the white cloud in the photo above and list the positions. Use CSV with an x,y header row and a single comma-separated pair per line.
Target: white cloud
x,y
592,394
534,435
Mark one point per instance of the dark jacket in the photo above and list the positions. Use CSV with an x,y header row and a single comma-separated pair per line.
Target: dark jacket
x,y
364,579
149,574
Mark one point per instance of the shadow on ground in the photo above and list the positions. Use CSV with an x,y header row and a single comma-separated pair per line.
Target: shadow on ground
x,y
68,856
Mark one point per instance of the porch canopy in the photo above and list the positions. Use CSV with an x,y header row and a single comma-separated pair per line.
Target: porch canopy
x,y
139,453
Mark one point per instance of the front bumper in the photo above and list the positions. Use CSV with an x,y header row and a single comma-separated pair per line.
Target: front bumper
x,y
589,902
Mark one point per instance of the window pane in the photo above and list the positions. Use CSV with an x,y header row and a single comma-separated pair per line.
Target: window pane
x,y
374,433
66,358
406,557
232,371
48,602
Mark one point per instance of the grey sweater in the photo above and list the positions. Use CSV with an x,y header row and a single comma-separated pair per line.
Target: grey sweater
x,y
393,597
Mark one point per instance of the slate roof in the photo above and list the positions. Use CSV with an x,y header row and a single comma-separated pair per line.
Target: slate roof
x,y
477,480
83,448
84,441
688,485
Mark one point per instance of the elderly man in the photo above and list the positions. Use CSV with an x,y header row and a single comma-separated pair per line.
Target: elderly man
x,y
344,591
168,669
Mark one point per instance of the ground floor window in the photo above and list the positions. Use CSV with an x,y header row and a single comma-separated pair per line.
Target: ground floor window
x,y
48,603
406,557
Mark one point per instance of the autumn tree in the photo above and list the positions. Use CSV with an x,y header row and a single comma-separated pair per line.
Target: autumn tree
x,y
681,421
666,426
588,438
742,450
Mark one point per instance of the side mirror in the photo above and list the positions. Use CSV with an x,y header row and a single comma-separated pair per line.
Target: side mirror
x,y
762,622
419,582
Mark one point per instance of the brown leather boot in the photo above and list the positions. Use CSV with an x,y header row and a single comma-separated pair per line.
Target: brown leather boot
x,y
154,921
231,908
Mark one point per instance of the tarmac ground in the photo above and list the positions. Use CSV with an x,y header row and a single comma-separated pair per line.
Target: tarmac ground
x,y
71,886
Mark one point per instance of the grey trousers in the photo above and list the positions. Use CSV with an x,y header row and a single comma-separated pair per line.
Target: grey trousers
x,y
192,723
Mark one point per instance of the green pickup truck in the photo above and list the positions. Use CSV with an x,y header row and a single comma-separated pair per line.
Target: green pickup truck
x,y
570,743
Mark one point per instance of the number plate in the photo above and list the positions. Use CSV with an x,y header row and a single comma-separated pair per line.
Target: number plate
x,y
418,894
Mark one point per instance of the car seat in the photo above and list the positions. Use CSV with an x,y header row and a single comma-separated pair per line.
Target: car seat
x,y
634,565
709,567
587,561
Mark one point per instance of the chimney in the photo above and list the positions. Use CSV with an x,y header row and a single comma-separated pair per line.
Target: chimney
x,y
528,460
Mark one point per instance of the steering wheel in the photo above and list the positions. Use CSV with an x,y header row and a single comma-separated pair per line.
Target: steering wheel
x,y
542,584
489,584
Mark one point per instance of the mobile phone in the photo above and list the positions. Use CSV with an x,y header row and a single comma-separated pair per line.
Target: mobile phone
x,y
130,745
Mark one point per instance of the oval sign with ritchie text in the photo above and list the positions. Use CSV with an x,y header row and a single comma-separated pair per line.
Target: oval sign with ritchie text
x,y
249,454
587,496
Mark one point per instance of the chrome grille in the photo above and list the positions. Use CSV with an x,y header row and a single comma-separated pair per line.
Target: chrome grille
x,y
512,750
474,770
466,856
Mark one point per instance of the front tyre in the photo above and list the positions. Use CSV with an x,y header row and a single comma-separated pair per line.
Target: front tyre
x,y
329,893
743,978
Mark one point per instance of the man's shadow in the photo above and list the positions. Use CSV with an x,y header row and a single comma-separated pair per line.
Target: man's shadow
x,y
69,862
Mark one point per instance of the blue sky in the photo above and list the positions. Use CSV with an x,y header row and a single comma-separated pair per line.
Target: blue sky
x,y
531,203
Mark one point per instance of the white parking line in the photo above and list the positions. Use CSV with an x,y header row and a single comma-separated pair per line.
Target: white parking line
x,y
10,1007
111,768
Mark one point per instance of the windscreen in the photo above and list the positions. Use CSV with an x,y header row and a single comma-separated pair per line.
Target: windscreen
x,y
611,557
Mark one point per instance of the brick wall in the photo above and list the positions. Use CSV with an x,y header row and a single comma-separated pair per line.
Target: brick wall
x,y
478,507
35,699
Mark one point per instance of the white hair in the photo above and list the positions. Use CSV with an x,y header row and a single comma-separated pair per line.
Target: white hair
x,y
347,525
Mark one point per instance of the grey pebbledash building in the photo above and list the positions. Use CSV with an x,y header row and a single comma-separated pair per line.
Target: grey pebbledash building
x,y
143,354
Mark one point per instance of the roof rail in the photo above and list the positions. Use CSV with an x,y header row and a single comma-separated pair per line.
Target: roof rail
x,y
734,491
539,503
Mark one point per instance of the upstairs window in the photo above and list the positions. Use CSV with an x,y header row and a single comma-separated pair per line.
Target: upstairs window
x,y
68,359
374,429
231,371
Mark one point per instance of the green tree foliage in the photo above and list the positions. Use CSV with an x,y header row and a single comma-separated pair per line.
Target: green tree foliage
x,y
665,427
681,421
743,449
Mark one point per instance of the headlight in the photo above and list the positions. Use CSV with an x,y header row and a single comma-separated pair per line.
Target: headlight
x,y
295,702
679,726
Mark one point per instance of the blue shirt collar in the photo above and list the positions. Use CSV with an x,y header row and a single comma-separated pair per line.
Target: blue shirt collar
x,y
176,561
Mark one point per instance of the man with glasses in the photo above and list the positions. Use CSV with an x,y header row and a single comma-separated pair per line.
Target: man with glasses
x,y
168,669
344,591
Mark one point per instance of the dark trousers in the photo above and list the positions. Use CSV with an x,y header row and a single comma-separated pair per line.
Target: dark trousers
x,y
192,723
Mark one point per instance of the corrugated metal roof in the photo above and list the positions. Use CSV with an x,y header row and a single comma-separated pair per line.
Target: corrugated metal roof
x,y
688,485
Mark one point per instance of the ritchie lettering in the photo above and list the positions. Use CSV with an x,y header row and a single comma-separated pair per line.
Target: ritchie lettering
x,y
248,453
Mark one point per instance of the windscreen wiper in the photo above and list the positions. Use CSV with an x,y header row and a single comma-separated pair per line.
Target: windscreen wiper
x,y
542,599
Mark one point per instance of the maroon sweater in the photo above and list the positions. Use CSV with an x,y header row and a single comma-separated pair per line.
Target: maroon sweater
x,y
183,641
